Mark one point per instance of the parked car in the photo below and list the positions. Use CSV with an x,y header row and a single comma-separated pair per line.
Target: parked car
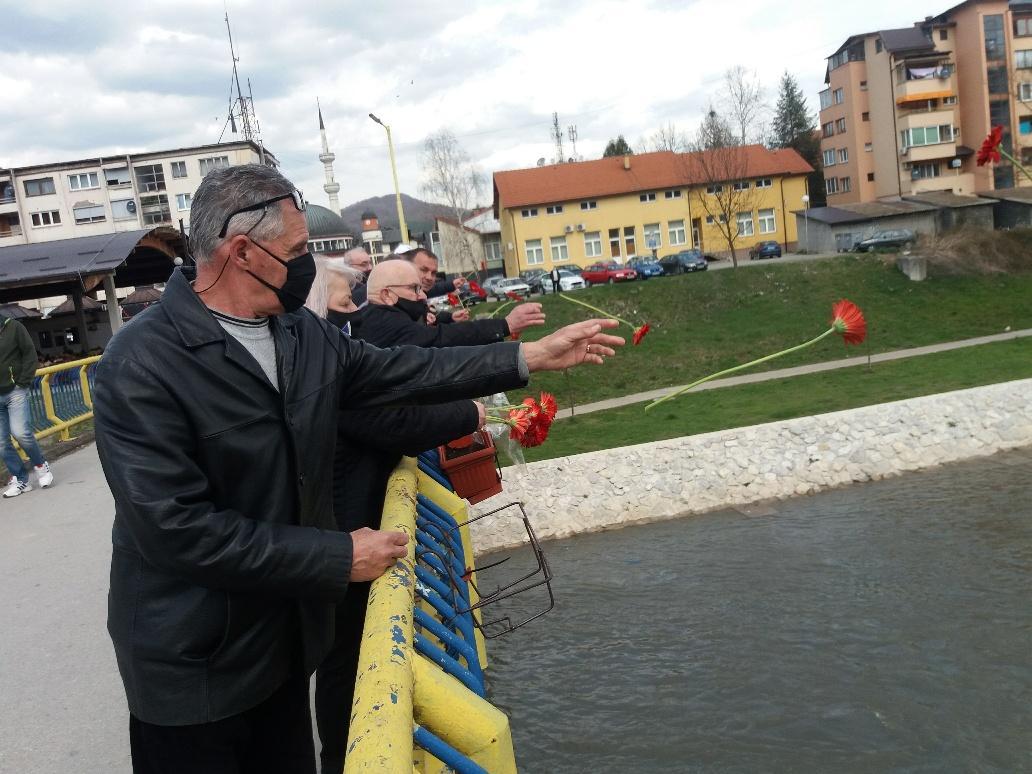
x,y
599,273
534,279
646,267
684,261
511,285
470,298
570,267
490,282
899,238
766,249
567,281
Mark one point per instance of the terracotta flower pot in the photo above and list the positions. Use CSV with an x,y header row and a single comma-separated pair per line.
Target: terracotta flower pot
x,y
471,468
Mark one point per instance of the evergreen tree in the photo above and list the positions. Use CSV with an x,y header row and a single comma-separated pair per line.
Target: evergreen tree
x,y
795,127
617,147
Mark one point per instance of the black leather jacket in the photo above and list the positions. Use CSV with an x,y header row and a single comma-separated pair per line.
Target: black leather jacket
x,y
226,559
388,326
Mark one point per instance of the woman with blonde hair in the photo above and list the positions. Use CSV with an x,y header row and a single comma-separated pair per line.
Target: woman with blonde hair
x,y
330,296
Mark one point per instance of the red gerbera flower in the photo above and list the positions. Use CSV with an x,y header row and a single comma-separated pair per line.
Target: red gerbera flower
x,y
640,333
549,406
990,150
536,434
512,296
848,320
475,287
453,299
520,424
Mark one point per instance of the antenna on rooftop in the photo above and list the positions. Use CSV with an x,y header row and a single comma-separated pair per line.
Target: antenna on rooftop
x,y
241,109
571,132
557,138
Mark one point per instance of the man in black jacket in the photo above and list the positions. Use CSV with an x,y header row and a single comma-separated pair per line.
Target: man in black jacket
x,y
397,309
215,427
18,363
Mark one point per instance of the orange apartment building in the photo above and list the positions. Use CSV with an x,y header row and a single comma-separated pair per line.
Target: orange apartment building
x,y
905,110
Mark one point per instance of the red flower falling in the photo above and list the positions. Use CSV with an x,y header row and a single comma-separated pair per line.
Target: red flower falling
x,y
477,289
453,299
512,296
640,333
990,150
848,320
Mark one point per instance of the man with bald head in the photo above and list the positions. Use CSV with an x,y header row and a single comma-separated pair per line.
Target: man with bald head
x,y
397,312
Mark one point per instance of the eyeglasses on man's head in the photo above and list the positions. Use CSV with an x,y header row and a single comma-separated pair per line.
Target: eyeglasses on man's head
x,y
296,196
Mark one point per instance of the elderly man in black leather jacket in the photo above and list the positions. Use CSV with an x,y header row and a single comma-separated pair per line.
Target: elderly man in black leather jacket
x,y
215,426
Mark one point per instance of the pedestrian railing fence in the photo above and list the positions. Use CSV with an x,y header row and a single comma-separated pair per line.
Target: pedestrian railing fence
x,y
61,397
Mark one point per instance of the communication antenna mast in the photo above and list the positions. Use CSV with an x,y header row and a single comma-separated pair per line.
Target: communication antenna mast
x,y
557,138
571,132
241,109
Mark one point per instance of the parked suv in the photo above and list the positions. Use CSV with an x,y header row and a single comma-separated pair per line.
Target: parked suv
x,y
534,279
646,267
900,238
601,272
686,260
766,249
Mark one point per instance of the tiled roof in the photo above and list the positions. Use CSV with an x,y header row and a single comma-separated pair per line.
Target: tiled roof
x,y
905,39
648,172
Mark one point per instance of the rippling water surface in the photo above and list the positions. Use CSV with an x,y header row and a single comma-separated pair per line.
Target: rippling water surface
x,y
879,627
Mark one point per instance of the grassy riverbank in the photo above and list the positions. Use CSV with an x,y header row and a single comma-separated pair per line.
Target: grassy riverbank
x,y
778,399
709,321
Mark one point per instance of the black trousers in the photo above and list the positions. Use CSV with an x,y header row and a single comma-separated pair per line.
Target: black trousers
x,y
335,679
273,738
556,287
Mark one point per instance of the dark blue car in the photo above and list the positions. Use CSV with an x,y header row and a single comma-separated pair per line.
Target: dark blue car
x,y
684,261
645,267
767,249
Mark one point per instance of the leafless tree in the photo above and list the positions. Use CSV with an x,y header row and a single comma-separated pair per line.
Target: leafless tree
x,y
744,103
451,177
667,138
719,162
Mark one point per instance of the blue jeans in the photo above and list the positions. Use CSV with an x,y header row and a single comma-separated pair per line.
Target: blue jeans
x,y
15,421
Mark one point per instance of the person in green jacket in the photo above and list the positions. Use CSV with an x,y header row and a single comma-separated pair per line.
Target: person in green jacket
x,y
17,370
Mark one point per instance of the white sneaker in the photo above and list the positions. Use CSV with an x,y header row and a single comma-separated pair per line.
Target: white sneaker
x,y
16,487
43,475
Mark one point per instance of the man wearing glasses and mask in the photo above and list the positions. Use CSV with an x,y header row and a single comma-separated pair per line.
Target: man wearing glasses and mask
x,y
215,419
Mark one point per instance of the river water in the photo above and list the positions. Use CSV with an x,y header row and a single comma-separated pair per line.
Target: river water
x,y
879,627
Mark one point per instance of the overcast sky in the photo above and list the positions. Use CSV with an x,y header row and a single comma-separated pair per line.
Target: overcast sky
x,y
82,79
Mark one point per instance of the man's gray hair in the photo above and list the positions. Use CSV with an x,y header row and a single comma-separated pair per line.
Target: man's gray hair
x,y
226,190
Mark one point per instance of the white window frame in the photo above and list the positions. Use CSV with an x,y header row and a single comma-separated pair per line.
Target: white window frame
x,y
831,185
767,220
1025,92
868,147
530,212
845,184
76,180
843,155
592,244
764,182
710,220
534,251
839,95
554,209
183,198
40,183
676,233
589,205
713,190
212,162
128,215
840,125
673,193
653,229
829,158
99,215
178,166
745,219
647,197
560,252
740,185
45,218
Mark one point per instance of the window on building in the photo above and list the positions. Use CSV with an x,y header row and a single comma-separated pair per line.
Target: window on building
x,y
925,170
83,181
183,201
745,224
529,213
647,197
675,194
117,177
676,233
927,135
997,78
949,100
1025,125
714,189
214,162
865,116
155,209
492,250
840,96
614,242
840,126
1023,26
178,169
535,255
629,240
559,251
831,185
878,46
653,238
92,214
767,221
828,129
554,209
870,177
863,85
845,185
829,158
843,155
944,35
47,218
1023,59
150,177
123,209
764,182
995,44
709,220
589,205
868,147
825,97
592,244
740,185
41,186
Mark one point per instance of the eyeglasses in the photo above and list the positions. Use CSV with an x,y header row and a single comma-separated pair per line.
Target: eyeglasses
x,y
295,195
415,287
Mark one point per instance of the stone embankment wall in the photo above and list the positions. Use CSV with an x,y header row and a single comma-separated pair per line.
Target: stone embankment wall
x,y
730,468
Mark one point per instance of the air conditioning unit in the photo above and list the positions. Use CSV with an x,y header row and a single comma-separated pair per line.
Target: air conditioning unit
x,y
580,226
569,229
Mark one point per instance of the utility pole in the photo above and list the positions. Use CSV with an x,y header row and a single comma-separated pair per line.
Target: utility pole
x,y
244,107
557,138
571,132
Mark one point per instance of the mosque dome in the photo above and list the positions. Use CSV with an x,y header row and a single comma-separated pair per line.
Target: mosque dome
x,y
323,222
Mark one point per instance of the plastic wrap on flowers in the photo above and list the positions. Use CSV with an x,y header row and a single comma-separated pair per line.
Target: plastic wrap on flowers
x,y
501,434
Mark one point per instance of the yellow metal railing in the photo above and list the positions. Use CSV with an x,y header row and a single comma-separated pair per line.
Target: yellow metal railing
x,y
398,691
66,398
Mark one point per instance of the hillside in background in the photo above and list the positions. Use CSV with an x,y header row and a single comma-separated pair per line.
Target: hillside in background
x,y
419,214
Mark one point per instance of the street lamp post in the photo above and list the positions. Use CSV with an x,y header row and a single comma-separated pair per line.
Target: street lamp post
x,y
394,172
806,220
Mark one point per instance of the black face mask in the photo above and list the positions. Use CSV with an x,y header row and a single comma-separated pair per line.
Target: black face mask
x,y
300,276
346,321
416,310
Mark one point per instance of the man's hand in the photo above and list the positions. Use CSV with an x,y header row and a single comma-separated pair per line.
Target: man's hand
x,y
581,342
374,552
431,318
481,414
460,315
458,282
523,316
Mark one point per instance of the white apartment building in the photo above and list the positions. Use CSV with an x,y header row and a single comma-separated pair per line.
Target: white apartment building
x,y
68,199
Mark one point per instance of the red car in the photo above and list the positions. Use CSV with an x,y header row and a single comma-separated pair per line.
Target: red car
x,y
599,273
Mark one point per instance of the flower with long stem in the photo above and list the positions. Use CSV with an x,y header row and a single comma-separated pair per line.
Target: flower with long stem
x,y
992,151
506,305
846,319
639,330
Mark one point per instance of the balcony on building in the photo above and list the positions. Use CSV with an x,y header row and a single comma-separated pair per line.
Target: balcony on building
x,y
922,79
10,228
8,197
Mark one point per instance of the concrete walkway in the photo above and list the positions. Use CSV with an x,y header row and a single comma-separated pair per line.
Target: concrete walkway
x,y
782,373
